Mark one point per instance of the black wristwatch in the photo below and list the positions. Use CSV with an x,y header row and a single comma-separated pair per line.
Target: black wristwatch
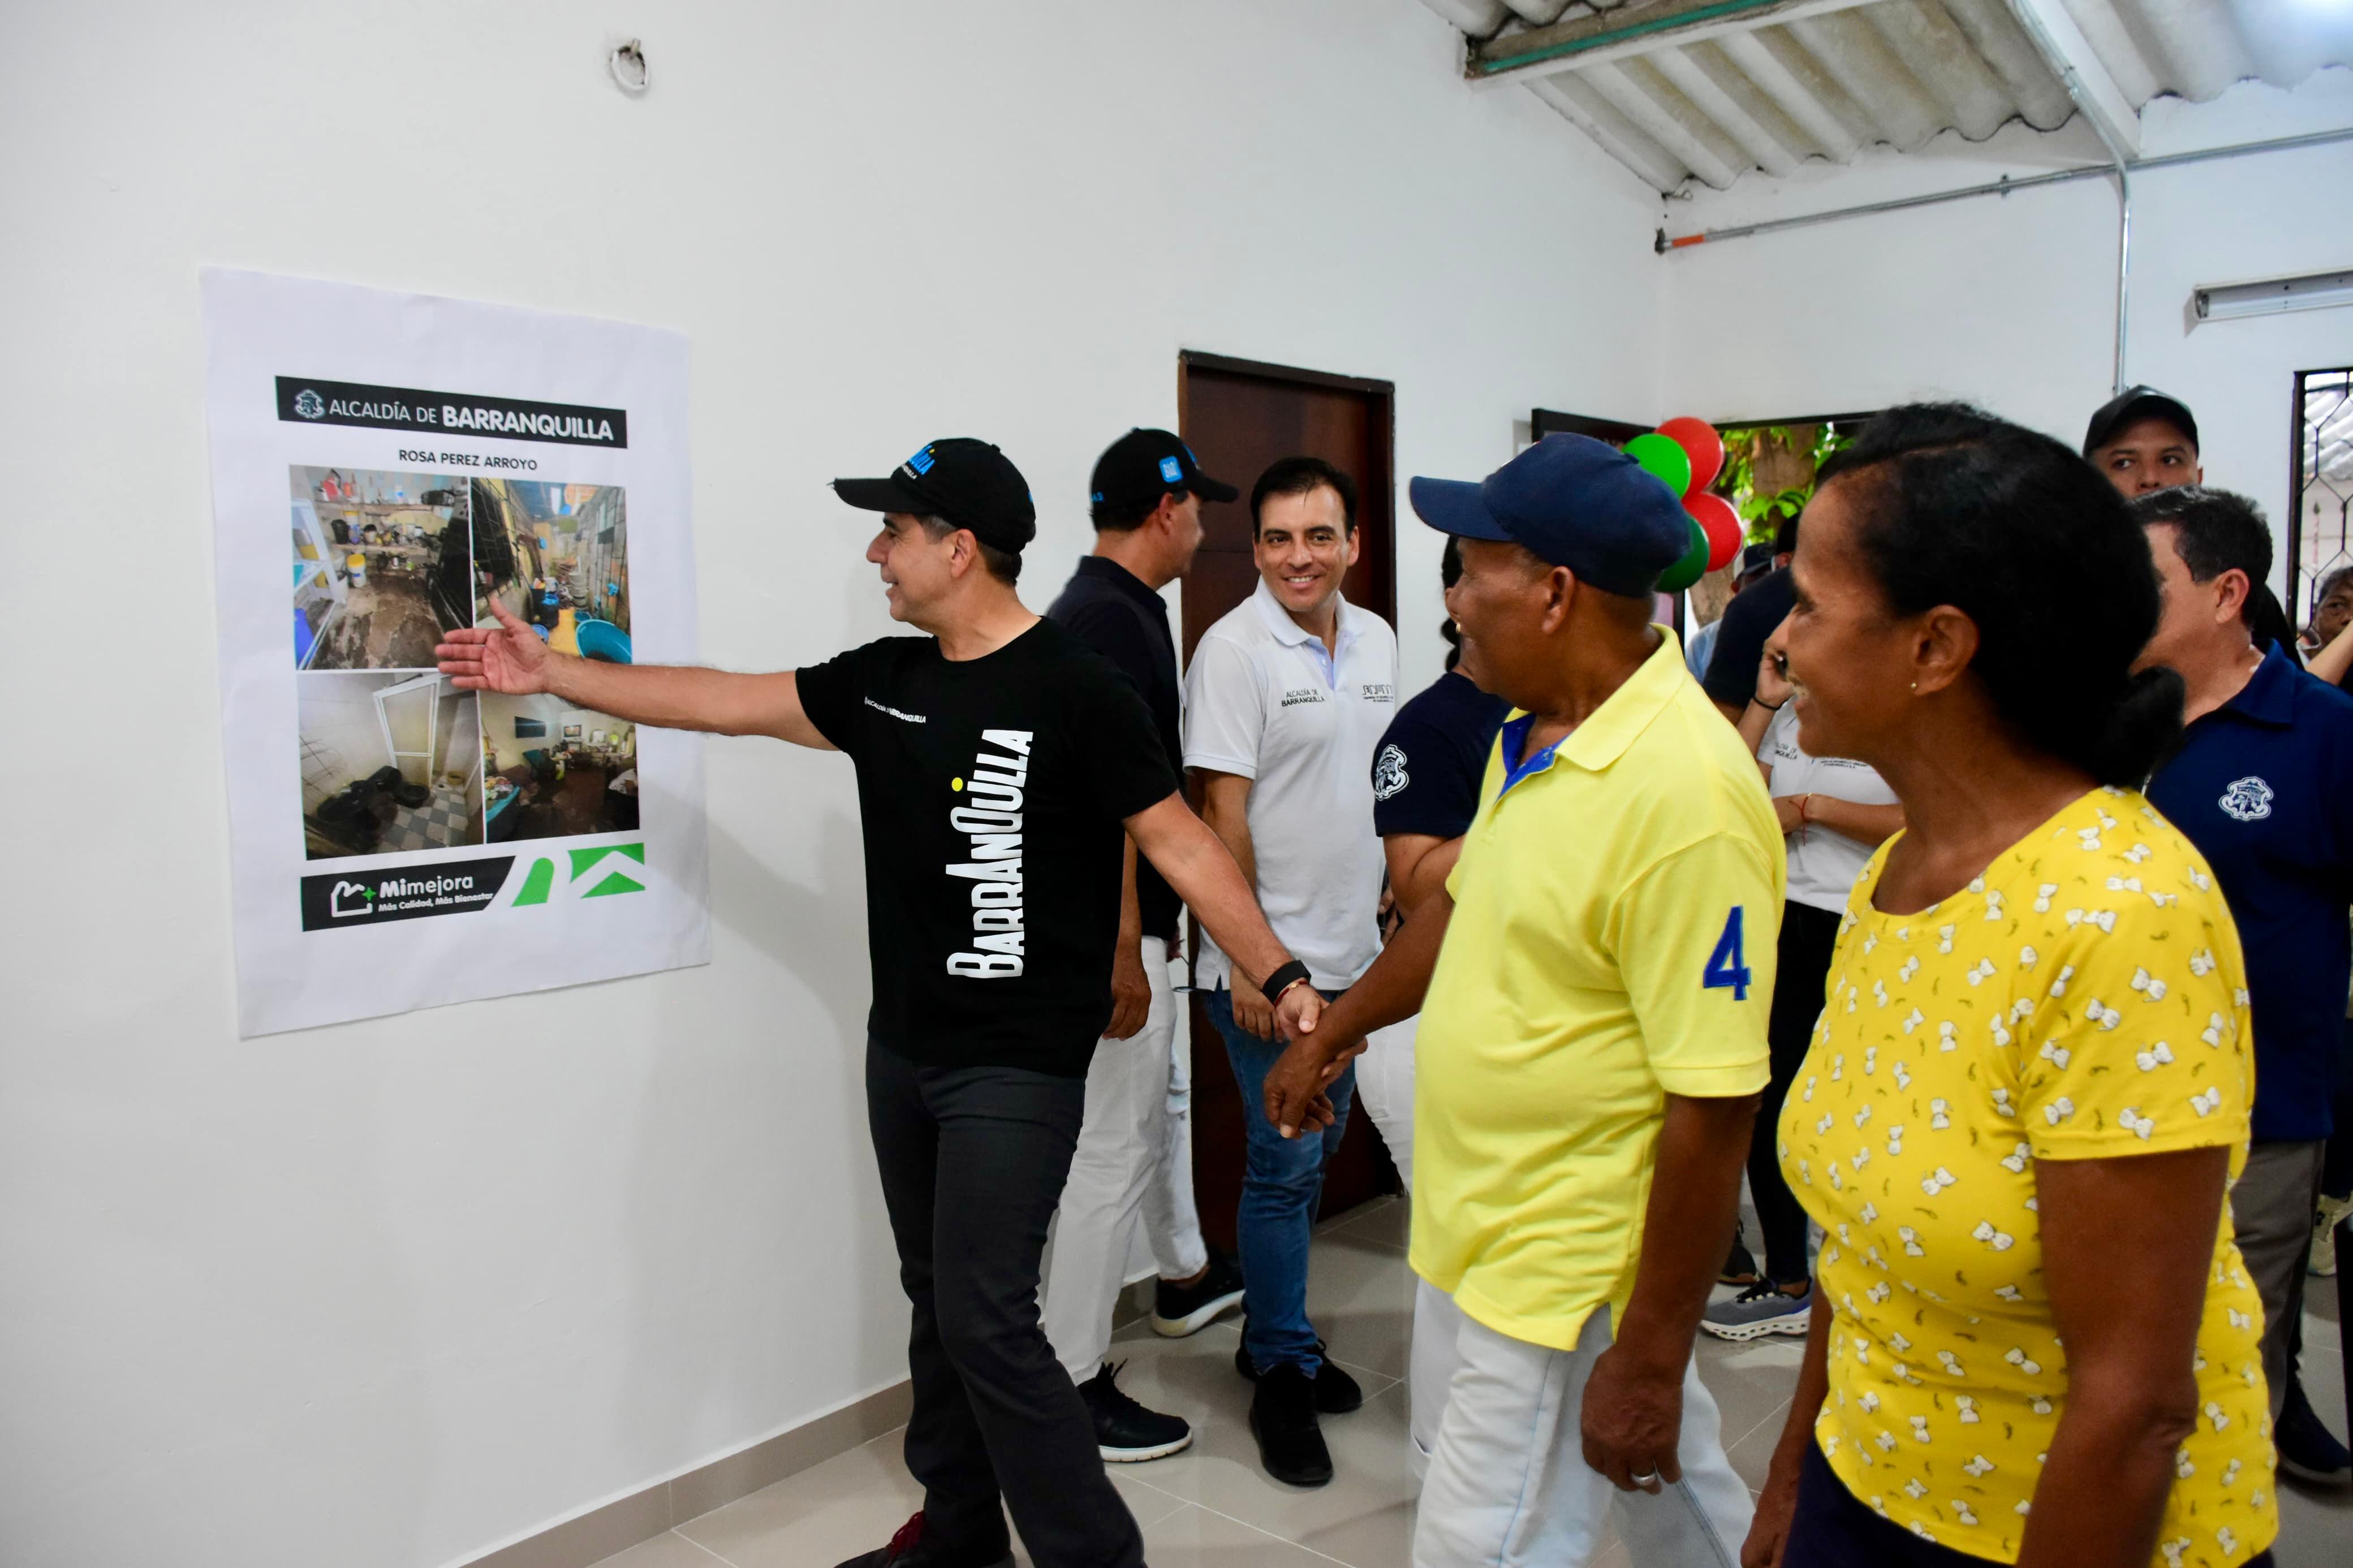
x,y
1283,979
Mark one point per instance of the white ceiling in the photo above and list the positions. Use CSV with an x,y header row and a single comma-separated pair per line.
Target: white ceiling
x,y
1711,90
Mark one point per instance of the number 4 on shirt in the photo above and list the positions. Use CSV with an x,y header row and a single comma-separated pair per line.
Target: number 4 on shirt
x,y
1727,965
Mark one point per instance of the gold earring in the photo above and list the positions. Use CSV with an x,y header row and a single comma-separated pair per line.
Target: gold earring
x,y
1916,686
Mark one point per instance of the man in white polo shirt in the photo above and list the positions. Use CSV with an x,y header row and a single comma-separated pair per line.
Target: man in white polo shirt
x,y
1285,700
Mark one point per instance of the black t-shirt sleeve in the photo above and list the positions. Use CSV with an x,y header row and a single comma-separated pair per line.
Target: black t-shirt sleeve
x,y
1748,620
1419,783
831,693
1112,729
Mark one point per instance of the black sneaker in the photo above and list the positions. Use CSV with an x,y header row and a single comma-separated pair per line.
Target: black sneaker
x,y
1282,1419
908,1548
1337,1393
2308,1449
1181,1309
1126,1431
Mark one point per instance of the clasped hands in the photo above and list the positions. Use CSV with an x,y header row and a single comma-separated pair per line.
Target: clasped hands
x,y
1296,1087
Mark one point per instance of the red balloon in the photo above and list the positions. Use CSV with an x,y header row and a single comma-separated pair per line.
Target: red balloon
x,y
1697,437
1722,524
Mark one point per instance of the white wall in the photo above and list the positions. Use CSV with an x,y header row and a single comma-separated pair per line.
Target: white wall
x,y
2009,301
384,1294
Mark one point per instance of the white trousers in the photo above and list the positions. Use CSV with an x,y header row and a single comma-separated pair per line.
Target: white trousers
x,y
1131,1171
1385,1089
1509,1486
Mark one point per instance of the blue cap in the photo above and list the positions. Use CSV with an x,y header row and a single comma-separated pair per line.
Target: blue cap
x,y
1572,502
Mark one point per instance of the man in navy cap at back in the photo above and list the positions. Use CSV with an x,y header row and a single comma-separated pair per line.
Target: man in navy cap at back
x,y
1593,1038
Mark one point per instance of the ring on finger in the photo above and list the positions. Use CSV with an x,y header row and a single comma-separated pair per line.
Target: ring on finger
x,y
1647,1478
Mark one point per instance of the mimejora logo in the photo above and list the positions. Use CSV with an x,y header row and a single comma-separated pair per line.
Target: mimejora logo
x,y
349,899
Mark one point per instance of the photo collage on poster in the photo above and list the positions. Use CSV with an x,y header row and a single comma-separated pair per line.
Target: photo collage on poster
x,y
395,759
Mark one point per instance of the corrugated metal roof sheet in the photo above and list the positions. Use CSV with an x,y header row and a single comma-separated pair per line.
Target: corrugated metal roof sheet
x,y
1683,90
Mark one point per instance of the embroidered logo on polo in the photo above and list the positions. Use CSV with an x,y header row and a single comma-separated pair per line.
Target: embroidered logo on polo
x,y
1380,691
1299,694
2248,799
1389,773
989,812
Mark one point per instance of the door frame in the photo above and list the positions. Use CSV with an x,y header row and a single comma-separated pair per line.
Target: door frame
x,y
1212,1073
429,687
1384,425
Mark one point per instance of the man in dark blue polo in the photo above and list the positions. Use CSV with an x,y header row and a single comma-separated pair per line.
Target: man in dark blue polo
x,y
2263,785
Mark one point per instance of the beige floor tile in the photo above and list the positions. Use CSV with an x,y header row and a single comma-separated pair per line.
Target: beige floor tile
x,y
1752,1456
2316,1523
667,1550
1387,1221
1148,1506
1213,1505
1370,1494
1750,1382
1360,1298
1196,1538
850,1504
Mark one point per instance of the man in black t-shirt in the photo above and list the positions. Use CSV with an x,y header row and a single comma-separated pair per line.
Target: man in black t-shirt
x,y
1133,1167
998,760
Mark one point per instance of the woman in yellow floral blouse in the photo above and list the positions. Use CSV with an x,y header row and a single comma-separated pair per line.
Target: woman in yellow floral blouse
x,y
2032,1341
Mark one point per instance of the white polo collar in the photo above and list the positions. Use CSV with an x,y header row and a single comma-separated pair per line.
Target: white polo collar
x,y
1292,633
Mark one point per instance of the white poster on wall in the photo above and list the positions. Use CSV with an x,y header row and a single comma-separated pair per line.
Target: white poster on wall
x,y
385,465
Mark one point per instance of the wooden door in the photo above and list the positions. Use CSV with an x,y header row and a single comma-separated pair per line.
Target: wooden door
x,y
1239,417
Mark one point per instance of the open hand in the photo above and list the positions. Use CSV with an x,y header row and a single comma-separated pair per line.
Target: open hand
x,y
1789,810
1131,993
1777,1507
1251,1010
1631,1418
1294,1084
507,657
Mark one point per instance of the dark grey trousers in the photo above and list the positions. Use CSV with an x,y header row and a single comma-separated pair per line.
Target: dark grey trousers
x,y
973,1163
2270,1214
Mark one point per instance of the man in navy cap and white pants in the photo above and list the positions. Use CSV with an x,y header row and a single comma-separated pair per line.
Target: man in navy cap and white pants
x,y
1600,971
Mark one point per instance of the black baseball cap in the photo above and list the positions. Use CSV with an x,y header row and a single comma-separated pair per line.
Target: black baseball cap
x,y
1144,465
1573,502
2130,407
1754,562
970,483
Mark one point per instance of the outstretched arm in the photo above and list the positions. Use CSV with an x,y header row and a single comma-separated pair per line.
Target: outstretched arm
x,y
1390,993
1633,1409
1196,864
509,658
2331,662
1225,807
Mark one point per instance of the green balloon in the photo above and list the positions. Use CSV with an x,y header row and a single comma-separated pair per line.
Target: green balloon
x,y
1664,457
1691,568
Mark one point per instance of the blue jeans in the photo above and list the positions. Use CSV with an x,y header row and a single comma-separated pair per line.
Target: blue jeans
x,y
1281,1184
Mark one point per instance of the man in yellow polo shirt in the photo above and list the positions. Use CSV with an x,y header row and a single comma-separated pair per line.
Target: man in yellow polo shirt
x,y
1593,1038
